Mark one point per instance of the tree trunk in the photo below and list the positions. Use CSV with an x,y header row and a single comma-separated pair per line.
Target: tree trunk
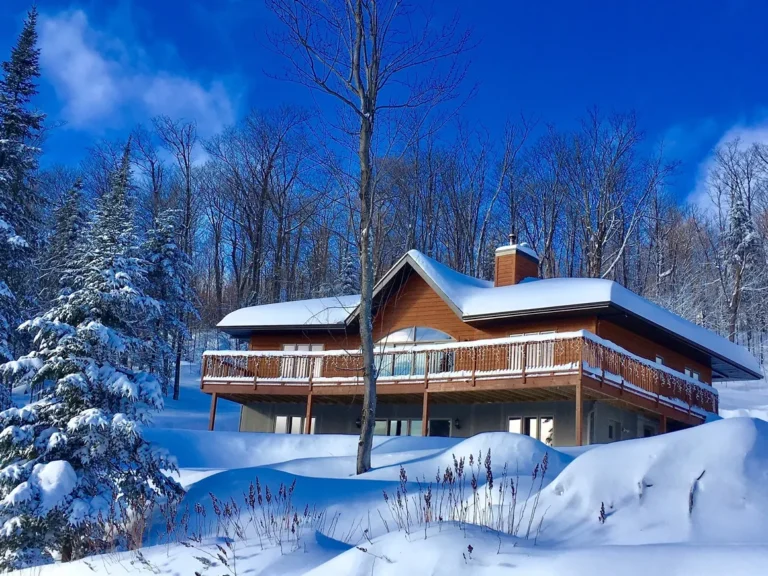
x,y
177,367
368,416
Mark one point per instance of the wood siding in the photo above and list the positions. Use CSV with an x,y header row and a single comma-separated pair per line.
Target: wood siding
x,y
416,304
511,268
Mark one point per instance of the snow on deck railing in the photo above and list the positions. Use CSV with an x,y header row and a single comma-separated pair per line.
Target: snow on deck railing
x,y
513,356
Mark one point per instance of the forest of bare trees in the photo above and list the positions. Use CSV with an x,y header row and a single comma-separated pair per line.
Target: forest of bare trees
x,y
267,217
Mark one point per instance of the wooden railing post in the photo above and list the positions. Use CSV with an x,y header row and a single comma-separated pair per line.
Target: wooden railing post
x,y
203,370
601,351
582,342
524,361
256,372
308,415
425,399
474,366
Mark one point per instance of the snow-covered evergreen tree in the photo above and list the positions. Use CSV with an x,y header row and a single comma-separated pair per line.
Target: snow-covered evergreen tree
x,y
170,276
74,466
349,282
19,203
69,225
742,257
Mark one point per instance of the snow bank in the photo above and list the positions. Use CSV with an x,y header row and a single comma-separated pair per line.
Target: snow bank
x,y
743,399
646,488
446,552
225,450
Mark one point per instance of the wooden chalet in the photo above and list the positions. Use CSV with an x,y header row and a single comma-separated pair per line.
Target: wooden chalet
x,y
566,360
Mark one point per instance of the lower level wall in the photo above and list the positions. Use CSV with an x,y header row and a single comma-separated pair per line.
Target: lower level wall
x,y
602,423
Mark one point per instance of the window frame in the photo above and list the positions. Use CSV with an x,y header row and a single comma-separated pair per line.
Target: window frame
x,y
290,420
299,367
691,373
521,425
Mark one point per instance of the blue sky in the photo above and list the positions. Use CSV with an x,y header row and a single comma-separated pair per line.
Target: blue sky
x,y
694,72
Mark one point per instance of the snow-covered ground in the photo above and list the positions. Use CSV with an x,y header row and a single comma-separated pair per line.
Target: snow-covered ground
x,y
191,410
744,399
691,502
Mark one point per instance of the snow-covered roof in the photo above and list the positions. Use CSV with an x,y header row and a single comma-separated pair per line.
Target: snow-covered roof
x,y
314,312
473,299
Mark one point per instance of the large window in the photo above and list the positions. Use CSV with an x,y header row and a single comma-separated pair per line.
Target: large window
x,y
299,367
292,425
413,335
411,427
539,427
409,363
537,354
397,427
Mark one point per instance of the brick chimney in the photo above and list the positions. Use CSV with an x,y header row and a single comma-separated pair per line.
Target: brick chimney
x,y
515,262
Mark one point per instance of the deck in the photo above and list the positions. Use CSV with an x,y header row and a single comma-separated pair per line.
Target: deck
x,y
574,366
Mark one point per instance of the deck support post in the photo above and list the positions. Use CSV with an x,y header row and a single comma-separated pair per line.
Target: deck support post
x,y
308,416
212,416
425,414
663,424
579,417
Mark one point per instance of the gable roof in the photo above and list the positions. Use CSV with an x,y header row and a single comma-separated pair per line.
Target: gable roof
x,y
472,299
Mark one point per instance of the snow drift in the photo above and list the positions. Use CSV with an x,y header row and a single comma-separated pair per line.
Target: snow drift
x,y
686,502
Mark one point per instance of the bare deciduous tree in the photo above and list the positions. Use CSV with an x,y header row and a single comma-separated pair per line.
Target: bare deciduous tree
x,y
368,55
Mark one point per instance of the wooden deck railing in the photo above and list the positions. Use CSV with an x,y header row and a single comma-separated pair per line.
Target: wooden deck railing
x,y
472,362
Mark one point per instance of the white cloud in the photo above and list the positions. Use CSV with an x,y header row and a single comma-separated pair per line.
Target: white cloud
x,y
747,133
103,82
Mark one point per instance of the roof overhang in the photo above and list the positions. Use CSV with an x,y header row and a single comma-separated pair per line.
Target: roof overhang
x,y
243,332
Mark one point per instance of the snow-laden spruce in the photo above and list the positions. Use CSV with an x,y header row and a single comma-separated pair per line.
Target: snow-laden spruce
x,y
75,471
69,226
19,201
169,273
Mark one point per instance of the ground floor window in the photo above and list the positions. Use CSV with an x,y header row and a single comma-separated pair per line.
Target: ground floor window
x,y
397,427
411,427
292,425
539,427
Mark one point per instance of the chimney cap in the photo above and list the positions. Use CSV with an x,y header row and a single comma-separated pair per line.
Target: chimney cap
x,y
522,247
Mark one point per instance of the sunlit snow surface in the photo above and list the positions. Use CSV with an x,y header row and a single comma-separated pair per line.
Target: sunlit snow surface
x,y
653,523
